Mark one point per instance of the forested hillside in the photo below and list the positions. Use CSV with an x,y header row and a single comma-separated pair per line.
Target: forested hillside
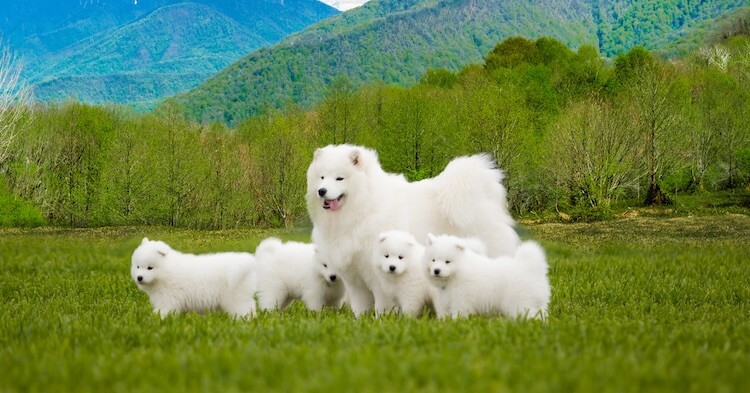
x,y
396,41
578,137
121,51
623,24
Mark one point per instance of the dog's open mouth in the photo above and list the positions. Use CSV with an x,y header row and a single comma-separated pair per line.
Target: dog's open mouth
x,y
332,204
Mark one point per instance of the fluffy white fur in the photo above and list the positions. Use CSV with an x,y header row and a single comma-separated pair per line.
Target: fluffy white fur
x,y
291,270
178,282
398,261
468,283
351,200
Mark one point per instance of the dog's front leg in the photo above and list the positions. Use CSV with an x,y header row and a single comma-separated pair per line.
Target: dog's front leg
x,y
360,298
383,303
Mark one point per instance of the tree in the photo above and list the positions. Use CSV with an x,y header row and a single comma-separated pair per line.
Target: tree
x,y
439,77
593,153
417,131
14,97
336,112
76,137
496,121
280,147
657,98
711,117
585,74
512,52
178,164
128,183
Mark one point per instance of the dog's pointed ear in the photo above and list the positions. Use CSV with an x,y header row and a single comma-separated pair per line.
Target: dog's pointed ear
x,y
355,157
430,239
317,153
461,246
163,249
145,240
382,238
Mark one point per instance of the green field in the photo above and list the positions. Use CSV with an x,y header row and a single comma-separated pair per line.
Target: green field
x,y
642,304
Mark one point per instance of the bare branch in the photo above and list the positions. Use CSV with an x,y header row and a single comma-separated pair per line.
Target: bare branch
x,y
14,98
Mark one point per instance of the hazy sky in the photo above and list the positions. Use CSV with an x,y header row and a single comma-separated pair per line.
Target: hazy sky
x,y
344,5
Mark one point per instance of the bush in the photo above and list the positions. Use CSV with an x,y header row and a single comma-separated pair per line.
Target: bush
x,y
16,212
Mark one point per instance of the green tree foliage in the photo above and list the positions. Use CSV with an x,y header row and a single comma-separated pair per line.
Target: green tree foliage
x,y
572,133
77,137
282,145
439,77
513,52
658,100
16,212
594,154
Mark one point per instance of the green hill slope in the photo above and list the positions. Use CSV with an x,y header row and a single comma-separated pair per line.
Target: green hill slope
x,y
396,41
71,47
127,64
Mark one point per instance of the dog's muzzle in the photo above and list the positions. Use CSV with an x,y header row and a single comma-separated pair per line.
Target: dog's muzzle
x,y
330,204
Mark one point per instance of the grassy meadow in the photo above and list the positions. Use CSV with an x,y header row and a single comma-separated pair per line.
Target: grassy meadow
x,y
638,304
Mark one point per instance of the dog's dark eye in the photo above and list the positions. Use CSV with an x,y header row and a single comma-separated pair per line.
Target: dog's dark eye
x,y
433,260
322,178
400,257
339,178
150,268
386,255
447,262
325,266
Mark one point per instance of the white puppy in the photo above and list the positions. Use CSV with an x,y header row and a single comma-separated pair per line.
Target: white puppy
x,y
469,283
177,282
398,260
291,271
351,200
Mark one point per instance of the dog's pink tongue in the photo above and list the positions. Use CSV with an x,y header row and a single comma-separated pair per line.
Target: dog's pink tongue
x,y
333,204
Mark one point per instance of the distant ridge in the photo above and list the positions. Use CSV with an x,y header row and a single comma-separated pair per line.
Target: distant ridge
x,y
116,50
396,41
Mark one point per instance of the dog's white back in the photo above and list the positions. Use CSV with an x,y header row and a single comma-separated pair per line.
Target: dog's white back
x,y
178,282
468,283
292,270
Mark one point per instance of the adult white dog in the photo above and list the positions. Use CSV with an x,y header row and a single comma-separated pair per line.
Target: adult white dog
x,y
468,283
177,282
351,200
291,270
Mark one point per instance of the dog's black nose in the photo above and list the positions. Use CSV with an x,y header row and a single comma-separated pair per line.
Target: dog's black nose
x,y
322,191
140,278
392,268
332,277
437,272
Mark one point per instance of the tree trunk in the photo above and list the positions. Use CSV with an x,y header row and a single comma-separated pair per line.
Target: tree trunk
x,y
655,196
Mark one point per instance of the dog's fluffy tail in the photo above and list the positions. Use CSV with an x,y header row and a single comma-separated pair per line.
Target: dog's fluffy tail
x,y
531,255
244,267
471,186
268,248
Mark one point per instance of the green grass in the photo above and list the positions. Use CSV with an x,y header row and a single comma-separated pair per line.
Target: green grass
x,y
642,304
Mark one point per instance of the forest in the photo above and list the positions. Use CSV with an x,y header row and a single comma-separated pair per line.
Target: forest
x,y
578,135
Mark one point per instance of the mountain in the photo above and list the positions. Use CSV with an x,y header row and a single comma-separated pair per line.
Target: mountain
x,y
396,41
137,50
